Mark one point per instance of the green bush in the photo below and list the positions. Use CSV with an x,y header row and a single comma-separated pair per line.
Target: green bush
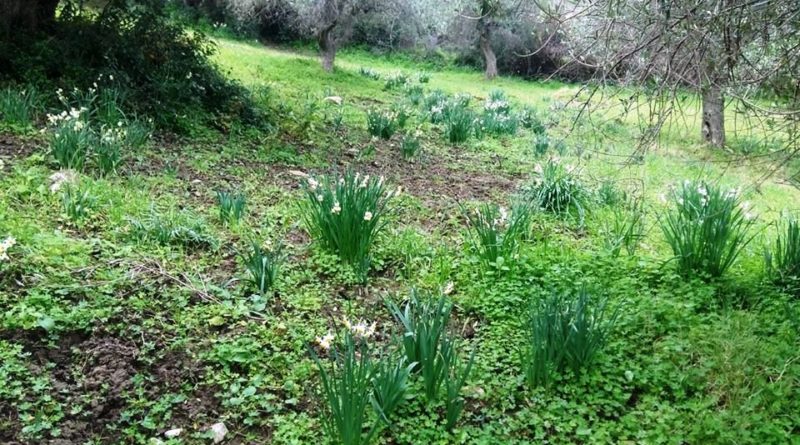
x,y
564,331
783,259
706,228
529,118
158,68
345,214
495,236
382,124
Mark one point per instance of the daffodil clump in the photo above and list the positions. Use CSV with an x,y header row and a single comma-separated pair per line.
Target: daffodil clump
x,y
495,234
93,127
346,213
706,227
557,188
382,124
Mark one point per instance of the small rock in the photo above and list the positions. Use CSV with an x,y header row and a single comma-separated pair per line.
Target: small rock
x,y
175,432
298,173
219,430
335,99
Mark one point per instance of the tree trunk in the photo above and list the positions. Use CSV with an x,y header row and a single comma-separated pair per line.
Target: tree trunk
x,y
327,47
713,128
486,48
26,16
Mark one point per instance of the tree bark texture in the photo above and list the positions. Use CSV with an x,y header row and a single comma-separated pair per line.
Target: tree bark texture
x,y
327,47
489,57
713,126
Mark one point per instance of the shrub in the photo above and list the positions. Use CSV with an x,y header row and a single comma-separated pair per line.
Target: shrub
x,y
381,124
263,265
564,331
783,260
231,206
556,188
345,214
706,227
495,236
423,77
395,80
410,145
20,108
369,73
626,229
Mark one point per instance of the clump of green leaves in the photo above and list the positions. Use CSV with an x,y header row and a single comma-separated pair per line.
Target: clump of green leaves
x,y
458,123
172,229
541,144
345,214
432,351
528,117
707,228
495,234
382,124
783,259
369,73
71,139
263,265
410,145
557,188
20,108
77,202
352,381
395,80
423,77
625,229
231,206
415,94
564,331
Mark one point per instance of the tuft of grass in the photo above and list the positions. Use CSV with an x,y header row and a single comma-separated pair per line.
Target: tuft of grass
x,y
76,202
395,80
706,227
625,229
458,123
172,229
369,73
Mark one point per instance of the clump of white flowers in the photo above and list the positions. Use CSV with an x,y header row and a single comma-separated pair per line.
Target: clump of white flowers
x,y
62,178
326,341
5,246
360,330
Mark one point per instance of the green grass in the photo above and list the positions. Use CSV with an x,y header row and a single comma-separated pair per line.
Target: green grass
x,y
144,317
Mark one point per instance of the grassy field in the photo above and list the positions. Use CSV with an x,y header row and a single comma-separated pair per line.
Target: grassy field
x,y
138,317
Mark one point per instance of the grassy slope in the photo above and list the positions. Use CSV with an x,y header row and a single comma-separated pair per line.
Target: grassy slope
x,y
143,338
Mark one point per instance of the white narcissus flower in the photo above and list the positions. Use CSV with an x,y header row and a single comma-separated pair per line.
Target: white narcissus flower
x,y
7,244
312,183
367,216
336,209
325,341
59,178
448,288
360,329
